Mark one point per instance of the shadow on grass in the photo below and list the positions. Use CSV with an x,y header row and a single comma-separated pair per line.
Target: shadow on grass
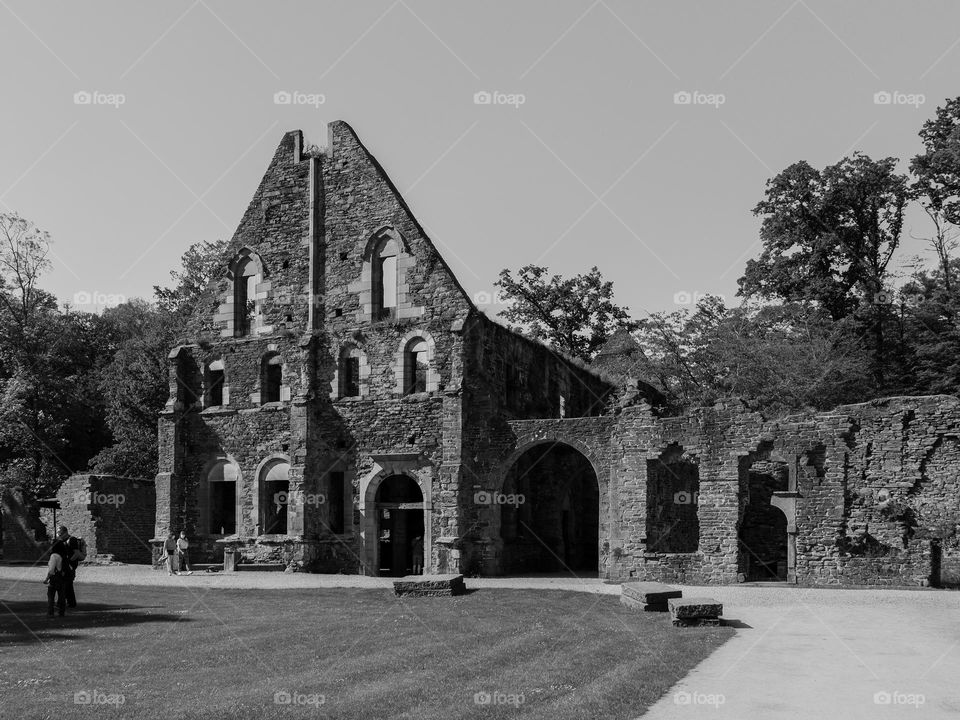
x,y
739,624
26,621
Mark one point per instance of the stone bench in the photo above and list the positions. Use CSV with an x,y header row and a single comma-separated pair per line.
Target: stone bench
x,y
695,612
648,595
430,585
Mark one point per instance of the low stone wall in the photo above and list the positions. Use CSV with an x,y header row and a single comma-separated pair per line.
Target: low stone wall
x,y
115,516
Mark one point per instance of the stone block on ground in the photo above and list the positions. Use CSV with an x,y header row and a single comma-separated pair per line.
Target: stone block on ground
x,y
694,608
697,622
430,585
648,595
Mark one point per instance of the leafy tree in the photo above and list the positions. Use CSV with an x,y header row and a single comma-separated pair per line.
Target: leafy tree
x,y
781,358
48,423
829,236
574,315
201,262
937,182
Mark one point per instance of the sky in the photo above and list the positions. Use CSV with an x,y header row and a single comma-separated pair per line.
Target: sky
x,y
634,136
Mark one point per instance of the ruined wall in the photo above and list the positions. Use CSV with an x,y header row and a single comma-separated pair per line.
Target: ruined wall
x,y
115,516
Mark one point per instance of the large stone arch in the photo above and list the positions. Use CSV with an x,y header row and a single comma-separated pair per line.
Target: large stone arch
x,y
587,438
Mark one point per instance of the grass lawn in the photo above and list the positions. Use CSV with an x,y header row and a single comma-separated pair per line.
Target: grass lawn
x,y
182,652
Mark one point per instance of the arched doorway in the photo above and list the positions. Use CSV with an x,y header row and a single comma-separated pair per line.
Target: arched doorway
x,y
549,511
399,526
763,530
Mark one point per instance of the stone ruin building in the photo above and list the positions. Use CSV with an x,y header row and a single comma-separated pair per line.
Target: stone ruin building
x,y
341,396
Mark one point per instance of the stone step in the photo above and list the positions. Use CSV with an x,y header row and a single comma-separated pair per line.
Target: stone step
x,y
430,585
648,595
688,612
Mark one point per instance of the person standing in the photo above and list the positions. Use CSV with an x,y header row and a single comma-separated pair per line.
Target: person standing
x,y
170,555
72,550
54,581
183,547
417,552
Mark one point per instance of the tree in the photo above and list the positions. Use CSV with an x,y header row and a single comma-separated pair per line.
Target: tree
x,y
200,263
574,315
47,419
782,358
937,181
828,237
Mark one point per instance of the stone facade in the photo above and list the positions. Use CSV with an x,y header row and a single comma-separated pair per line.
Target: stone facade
x,y
341,405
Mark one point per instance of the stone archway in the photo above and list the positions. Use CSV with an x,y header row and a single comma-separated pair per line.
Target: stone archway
x,y
418,471
546,511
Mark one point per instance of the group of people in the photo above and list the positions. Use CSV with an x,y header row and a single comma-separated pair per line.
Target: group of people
x,y
174,554
66,554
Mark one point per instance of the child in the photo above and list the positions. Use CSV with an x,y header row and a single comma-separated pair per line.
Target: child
x,y
55,584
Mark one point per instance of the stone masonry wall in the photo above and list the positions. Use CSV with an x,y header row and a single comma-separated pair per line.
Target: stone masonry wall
x,y
115,516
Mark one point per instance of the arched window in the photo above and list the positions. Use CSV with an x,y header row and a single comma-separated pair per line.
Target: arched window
x,y
383,280
274,490
213,384
222,506
271,378
415,365
247,276
349,371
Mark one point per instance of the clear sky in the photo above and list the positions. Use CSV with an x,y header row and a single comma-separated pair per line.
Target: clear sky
x,y
599,165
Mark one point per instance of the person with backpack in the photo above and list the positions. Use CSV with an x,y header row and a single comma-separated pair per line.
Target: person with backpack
x,y
55,580
73,551
170,556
